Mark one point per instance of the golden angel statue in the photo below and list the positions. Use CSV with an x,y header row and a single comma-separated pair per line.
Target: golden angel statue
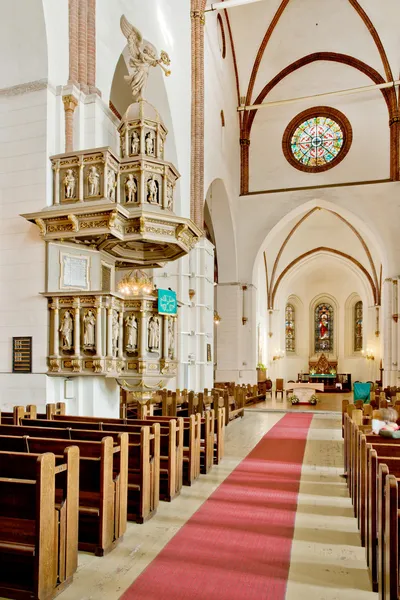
x,y
143,56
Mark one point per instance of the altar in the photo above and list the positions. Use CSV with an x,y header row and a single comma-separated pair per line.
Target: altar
x,y
304,391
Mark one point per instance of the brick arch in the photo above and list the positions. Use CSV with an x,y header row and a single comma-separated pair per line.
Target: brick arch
x,y
388,94
374,276
333,251
283,5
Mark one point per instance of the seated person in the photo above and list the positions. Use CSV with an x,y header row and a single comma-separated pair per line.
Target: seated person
x,y
387,422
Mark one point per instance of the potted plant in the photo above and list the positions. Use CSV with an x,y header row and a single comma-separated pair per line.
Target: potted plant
x,y
293,399
261,372
314,399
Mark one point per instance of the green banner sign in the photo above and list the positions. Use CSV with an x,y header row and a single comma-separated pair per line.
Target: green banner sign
x,y
167,302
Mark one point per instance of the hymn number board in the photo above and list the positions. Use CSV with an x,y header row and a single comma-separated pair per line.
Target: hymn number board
x,y
22,355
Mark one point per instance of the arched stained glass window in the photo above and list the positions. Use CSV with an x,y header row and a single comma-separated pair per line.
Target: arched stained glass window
x,y
290,328
358,326
323,327
317,139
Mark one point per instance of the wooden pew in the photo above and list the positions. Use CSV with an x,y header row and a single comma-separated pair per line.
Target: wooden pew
x,y
38,523
103,474
191,444
143,459
171,445
202,403
389,588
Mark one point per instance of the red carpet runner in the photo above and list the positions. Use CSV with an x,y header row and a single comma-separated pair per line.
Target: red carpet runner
x,y
237,545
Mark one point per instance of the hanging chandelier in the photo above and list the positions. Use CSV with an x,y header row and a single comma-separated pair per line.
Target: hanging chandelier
x,y
135,283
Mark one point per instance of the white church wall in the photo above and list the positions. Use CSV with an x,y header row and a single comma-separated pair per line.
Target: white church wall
x,y
323,280
367,114
23,185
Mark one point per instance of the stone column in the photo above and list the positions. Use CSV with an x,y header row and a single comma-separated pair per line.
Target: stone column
x,y
81,188
99,349
109,331
387,340
165,337
121,335
77,327
142,335
56,195
70,103
395,316
197,124
56,327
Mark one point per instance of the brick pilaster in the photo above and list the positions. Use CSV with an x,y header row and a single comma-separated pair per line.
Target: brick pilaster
x,y
91,46
82,45
197,126
73,11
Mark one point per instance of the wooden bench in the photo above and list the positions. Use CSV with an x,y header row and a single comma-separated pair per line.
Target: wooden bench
x,y
191,444
374,457
38,523
103,474
143,459
171,445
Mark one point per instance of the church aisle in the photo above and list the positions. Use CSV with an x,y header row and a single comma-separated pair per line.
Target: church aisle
x,y
327,561
108,577
238,543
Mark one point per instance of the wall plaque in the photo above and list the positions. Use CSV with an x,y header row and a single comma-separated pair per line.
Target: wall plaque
x,y
74,272
209,357
22,355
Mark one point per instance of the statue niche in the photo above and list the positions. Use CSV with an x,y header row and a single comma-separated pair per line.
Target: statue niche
x,y
152,190
66,330
89,327
93,182
130,189
69,183
154,334
131,333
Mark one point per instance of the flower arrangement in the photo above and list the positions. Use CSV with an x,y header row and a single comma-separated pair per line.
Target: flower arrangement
x,y
332,371
314,399
294,399
313,372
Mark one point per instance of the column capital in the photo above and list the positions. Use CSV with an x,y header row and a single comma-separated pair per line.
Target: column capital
x,y
198,14
70,102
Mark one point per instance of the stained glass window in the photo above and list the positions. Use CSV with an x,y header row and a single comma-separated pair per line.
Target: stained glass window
x,y
323,328
358,326
290,328
317,141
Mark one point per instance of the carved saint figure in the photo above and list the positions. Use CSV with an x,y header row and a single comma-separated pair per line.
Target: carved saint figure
x,y
93,181
170,196
152,190
111,185
154,333
130,189
69,184
67,326
161,146
171,339
131,332
143,56
115,332
135,143
150,143
89,324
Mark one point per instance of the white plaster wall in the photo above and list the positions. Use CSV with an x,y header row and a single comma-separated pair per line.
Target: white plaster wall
x,y
23,182
326,276
367,113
